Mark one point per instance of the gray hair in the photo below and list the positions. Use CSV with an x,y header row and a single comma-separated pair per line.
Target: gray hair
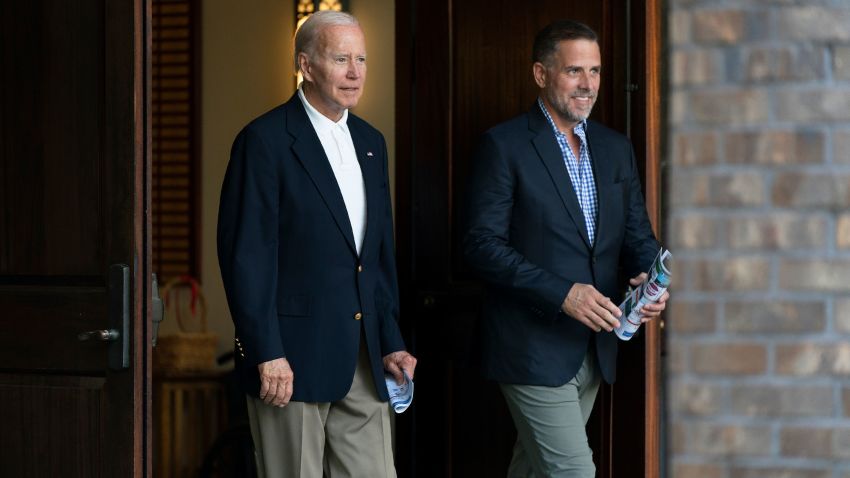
x,y
308,33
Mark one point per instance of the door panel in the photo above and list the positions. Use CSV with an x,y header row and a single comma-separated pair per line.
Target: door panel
x,y
73,202
39,406
463,67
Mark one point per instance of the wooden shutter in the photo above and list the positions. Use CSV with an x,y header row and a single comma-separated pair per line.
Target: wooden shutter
x,y
176,166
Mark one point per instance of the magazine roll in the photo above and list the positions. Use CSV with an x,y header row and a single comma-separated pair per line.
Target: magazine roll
x,y
649,292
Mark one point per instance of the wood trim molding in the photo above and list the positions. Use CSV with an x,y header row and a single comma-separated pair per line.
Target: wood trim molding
x,y
652,433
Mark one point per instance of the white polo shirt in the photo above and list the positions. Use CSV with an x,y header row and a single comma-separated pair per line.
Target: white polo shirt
x,y
339,148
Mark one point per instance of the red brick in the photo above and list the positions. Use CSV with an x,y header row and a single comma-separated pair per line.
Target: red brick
x,y
814,23
719,26
740,189
696,67
826,104
815,275
693,232
678,437
842,231
728,107
782,401
690,190
783,472
698,399
691,317
733,274
813,358
841,62
841,147
695,149
801,190
806,442
845,401
777,231
842,314
783,64
841,443
729,359
677,358
775,147
680,27
689,470
708,439
679,107
775,317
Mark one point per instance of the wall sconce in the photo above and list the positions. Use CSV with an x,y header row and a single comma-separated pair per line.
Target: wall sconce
x,y
305,8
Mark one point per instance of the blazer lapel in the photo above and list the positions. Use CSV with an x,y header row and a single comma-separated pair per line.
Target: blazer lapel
x,y
598,155
370,168
550,153
308,150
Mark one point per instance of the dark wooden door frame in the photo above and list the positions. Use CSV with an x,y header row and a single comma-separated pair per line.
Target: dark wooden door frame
x,y
75,169
652,181
143,329
645,356
434,87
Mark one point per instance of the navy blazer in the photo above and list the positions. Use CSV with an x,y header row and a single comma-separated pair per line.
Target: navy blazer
x,y
526,237
294,282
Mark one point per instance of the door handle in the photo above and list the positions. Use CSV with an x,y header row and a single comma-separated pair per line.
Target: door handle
x,y
119,315
108,335
118,309
157,309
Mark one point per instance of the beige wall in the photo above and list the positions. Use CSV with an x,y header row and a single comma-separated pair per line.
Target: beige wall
x,y
247,70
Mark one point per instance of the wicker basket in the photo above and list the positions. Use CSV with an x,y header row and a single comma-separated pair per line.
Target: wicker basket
x,y
187,350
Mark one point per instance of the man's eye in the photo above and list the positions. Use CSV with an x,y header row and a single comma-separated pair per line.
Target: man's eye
x,y
340,60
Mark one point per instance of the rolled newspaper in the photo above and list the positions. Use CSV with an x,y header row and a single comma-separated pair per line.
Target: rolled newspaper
x,y
656,283
401,396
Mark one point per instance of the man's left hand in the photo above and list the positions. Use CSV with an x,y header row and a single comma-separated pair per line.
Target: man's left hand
x,y
397,362
650,311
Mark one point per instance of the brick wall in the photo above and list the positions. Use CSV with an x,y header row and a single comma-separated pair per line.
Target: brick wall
x,y
758,110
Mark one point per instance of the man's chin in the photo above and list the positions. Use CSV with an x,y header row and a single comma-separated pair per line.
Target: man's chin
x,y
348,103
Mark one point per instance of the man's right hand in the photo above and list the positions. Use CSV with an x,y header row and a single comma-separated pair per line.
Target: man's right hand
x,y
276,379
585,304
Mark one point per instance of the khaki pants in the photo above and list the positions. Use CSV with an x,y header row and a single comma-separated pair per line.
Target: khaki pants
x,y
550,421
348,438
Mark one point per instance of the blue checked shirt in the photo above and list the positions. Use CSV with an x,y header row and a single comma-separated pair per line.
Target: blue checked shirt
x,y
581,172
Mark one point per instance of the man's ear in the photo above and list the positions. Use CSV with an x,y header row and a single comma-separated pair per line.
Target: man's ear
x,y
304,66
539,71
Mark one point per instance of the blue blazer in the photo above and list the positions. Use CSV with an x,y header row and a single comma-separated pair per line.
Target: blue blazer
x,y
295,284
526,237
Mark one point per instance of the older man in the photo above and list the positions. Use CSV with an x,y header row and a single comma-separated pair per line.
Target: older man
x,y
305,245
555,210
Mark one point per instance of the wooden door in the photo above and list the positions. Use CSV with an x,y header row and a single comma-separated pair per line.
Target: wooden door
x,y
462,67
74,248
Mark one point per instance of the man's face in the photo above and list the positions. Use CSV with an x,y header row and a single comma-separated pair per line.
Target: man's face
x,y
570,82
337,70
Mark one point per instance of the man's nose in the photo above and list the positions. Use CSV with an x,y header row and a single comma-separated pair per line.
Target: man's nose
x,y
355,70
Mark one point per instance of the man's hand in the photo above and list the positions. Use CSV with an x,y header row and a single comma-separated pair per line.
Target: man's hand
x,y
395,362
276,379
650,311
585,304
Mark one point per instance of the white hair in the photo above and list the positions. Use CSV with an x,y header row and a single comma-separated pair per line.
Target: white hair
x,y
308,33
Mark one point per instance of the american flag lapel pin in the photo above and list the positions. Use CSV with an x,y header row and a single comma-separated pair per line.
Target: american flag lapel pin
x,y
369,153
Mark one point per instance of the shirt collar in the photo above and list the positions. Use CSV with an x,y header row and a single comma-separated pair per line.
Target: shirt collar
x,y
579,129
321,123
